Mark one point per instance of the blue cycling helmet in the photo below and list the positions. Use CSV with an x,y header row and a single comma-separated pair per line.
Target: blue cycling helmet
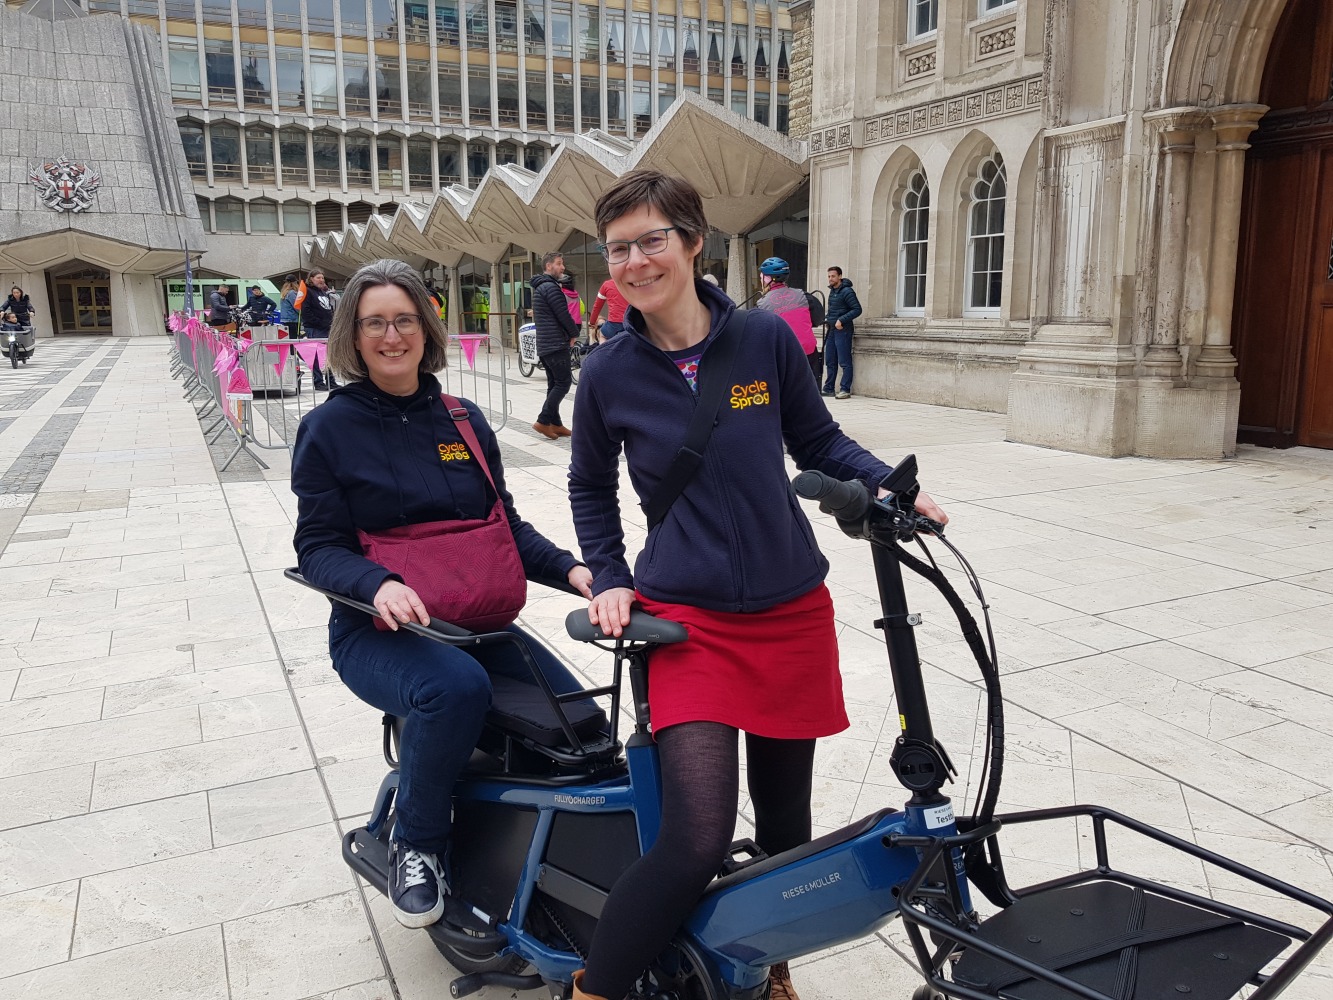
x,y
775,267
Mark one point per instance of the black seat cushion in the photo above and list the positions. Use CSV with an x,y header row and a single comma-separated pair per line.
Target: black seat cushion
x,y
522,709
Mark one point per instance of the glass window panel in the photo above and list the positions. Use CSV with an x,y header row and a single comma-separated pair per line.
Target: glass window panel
x,y
689,48
183,65
479,95
915,227
589,32
784,43
358,159
251,12
783,119
987,5
352,13
506,152
477,18
220,66
715,47
192,138
922,16
534,157
666,42
292,144
389,156
590,102
738,102
478,162
229,215
419,156
256,84
507,96
561,31
385,14
738,53
296,217
615,106
356,83
205,216
446,22
760,58
259,153
323,82
506,26
986,237
263,216
416,20
225,141
217,10
536,95
564,102
615,36
642,39
286,15
450,171
290,75
451,93
761,108
327,156
418,88
535,27
389,86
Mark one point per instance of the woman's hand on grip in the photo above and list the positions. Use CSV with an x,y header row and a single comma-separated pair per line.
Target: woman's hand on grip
x,y
397,602
610,609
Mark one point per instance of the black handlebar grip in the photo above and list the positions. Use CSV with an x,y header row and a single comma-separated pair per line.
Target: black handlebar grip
x,y
849,501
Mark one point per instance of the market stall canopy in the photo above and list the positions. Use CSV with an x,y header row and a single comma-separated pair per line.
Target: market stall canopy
x,y
742,169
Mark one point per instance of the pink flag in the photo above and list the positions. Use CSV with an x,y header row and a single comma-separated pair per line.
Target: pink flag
x,y
313,352
281,350
468,342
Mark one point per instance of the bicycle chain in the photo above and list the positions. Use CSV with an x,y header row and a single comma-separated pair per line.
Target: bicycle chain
x,y
564,931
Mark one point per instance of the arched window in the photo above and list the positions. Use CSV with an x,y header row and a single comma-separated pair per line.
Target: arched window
x,y
192,138
296,217
358,159
912,248
292,145
359,213
263,216
985,238
327,157
259,153
225,141
230,215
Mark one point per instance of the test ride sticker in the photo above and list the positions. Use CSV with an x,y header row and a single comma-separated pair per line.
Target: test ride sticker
x,y
938,816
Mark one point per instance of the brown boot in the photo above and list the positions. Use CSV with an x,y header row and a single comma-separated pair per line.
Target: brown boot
x,y
562,431
546,430
779,983
578,988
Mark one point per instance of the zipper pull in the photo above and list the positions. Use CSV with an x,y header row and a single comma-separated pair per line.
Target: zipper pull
x,y
404,416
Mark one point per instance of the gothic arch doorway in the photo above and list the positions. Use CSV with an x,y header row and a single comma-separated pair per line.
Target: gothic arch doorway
x,y
1283,329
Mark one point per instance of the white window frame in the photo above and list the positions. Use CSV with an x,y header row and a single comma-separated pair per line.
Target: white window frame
x,y
918,187
983,190
914,8
985,8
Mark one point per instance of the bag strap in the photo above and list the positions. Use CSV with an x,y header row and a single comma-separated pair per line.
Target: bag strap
x,y
713,380
458,412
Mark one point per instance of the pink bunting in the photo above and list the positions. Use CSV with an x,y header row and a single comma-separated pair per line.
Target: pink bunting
x,y
282,351
468,342
313,352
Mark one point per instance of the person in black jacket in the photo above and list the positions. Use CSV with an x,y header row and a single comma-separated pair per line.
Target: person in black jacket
x,y
556,331
381,452
317,318
19,305
843,307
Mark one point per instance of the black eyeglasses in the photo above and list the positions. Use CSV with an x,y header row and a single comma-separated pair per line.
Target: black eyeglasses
x,y
652,242
407,325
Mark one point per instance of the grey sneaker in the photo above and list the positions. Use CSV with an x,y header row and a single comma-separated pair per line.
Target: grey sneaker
x,y
417,886
844,394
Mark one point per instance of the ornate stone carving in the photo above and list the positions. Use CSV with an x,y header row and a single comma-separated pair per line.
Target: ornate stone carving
x,y
922,64
997,41
65,186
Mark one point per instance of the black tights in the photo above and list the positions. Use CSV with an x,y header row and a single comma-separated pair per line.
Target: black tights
x,y
700,783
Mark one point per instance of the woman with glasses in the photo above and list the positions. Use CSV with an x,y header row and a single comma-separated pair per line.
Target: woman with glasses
x,y
733,558
382,452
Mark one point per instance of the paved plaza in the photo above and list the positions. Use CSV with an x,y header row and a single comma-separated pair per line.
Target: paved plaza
x,y
178,761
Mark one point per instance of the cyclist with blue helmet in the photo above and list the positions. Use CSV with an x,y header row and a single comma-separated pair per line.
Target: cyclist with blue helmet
x,y
792,305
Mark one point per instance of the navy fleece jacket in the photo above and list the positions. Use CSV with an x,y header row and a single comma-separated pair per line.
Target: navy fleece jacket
x,y
369,460
736,539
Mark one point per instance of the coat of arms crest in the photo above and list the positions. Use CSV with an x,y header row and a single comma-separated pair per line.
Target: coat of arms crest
x,y
64,186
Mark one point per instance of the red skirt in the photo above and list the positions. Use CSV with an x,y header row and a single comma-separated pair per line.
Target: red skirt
x,y
772,673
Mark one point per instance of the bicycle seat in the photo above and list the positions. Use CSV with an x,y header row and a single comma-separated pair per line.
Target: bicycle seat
x,y
642,627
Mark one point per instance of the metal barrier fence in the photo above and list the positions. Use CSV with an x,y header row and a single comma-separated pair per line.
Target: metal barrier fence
x,y
252,385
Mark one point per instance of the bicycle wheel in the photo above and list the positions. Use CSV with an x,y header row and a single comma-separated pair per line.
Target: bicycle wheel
x,y
526,369
13,355
575,360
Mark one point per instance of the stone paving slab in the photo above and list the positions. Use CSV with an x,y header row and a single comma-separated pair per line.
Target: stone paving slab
x,y
178,761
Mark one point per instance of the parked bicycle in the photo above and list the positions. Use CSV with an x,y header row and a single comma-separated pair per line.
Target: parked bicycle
x,y
529,361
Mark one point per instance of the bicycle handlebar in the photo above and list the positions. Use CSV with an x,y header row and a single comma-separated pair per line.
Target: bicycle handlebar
x,y
846,501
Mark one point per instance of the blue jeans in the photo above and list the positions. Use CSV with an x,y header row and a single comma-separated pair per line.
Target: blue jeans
x,y
838,351
443,693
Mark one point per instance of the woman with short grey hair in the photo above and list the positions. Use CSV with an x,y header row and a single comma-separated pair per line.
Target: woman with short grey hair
x,y
386,451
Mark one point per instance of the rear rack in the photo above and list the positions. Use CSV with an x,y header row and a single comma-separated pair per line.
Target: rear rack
x,y
1099,934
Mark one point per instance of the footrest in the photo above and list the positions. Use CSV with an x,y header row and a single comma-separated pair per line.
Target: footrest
x,y
1120,940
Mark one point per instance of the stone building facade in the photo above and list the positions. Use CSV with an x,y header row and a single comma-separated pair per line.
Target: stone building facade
x,y
1054,194
95,196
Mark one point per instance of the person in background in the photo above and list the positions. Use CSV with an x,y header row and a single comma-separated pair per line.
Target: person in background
x,y
556,331
261,307
608,295
791,304
19,306
369,458
842,309
316,318
219,309
287,313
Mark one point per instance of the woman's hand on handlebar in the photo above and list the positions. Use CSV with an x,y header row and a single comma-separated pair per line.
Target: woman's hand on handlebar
x,y
924,505
580,578
397,602
610,609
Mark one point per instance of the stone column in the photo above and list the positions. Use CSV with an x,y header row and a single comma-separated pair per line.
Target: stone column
x,y
738,268
454,309
1233,126
494,325
1179,128
136,305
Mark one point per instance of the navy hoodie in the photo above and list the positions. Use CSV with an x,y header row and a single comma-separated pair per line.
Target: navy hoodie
x,y
736,539
366,459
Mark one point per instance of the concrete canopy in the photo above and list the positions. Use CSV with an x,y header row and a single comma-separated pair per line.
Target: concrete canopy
x,y
36,253
742,169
